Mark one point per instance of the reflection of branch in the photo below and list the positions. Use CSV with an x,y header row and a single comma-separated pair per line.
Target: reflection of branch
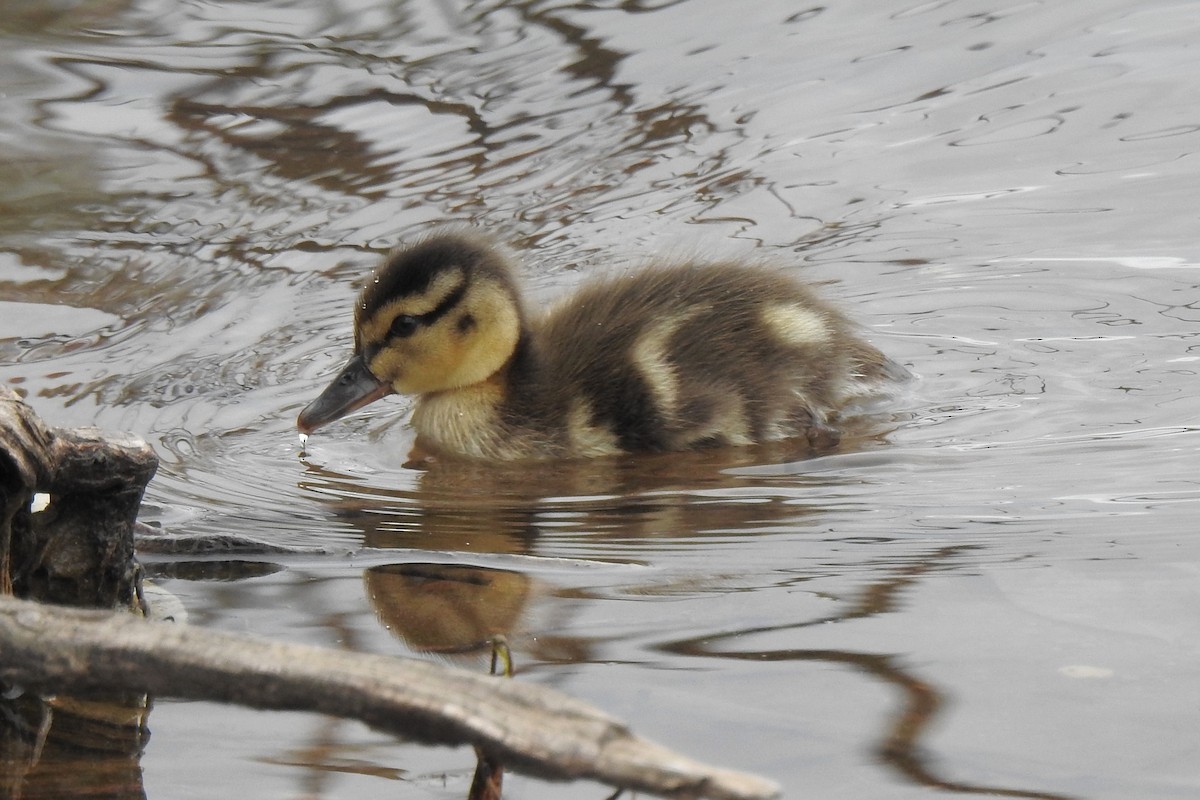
x,y
900,746
533,728
488,781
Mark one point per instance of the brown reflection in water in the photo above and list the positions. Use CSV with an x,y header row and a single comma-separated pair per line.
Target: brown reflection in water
x,y
451,609
72,747
329,751
900,746
504,508
292,131
464,506
303,141
447,608
595,63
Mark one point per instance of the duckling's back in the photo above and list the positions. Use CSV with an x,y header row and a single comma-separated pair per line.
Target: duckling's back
x,y
693,355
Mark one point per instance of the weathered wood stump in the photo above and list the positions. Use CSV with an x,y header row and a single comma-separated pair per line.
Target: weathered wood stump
x,y
79,551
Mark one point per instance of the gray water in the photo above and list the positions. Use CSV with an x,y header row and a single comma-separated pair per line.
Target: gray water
x,y
1000,594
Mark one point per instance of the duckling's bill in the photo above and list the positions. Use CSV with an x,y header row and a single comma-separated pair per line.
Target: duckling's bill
x,y
353,388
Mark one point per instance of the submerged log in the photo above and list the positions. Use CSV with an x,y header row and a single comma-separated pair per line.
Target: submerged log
x,y
534,729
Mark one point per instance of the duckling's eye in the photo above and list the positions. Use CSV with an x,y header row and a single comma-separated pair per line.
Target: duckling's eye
x,y
404,325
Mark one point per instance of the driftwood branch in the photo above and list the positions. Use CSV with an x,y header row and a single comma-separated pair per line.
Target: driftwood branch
x,y
534,729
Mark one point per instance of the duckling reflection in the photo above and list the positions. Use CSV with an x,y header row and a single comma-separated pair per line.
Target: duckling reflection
x,y
539,507
447,608
676,357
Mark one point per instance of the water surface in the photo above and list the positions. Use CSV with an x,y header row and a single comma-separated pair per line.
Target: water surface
x,y
998,594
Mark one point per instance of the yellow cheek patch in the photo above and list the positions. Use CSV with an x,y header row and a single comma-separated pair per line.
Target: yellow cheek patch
x,y
486,347
445,355
425,364
389,365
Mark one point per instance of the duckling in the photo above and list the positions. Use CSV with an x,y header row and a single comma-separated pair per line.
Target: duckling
x,y
675,357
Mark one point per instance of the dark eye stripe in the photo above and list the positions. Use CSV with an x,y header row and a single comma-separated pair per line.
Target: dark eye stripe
x,y
437,312
443,308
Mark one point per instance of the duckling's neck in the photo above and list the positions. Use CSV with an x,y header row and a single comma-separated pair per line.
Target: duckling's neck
x,y
478,420
460,420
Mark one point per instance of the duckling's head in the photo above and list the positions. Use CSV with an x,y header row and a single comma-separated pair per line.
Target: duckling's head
x,y
438,315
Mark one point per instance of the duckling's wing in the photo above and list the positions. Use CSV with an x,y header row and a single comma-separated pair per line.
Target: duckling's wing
x,y
678,357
